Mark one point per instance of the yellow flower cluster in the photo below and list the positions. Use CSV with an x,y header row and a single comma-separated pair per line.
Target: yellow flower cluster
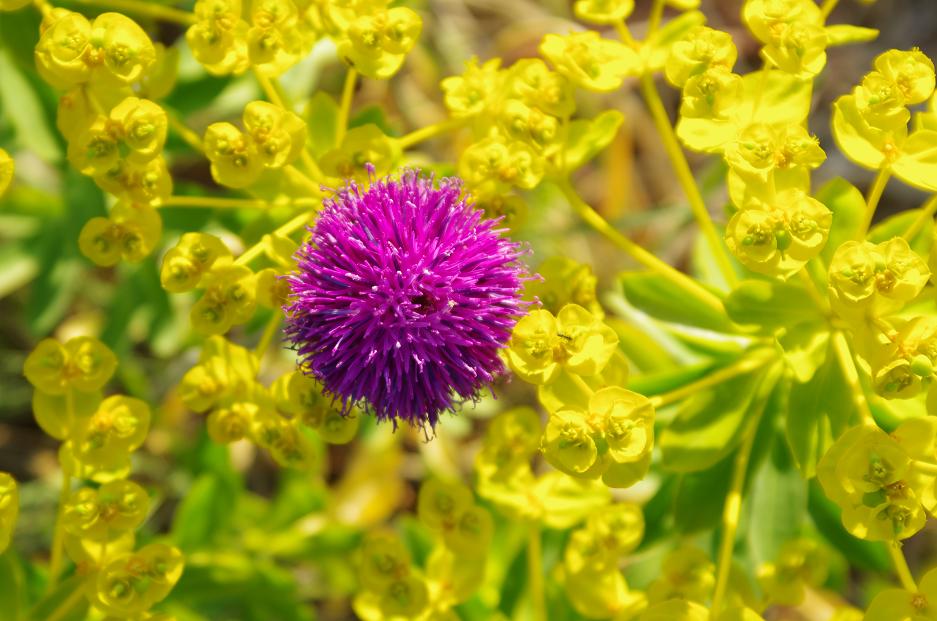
x,y
883,482
597,428
98,435
230,36
272,138
871,124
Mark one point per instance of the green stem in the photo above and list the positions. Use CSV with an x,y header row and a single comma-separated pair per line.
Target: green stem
x,y
875,194
924,467
424,133
685,177
58,534
851,375
927,214
149,9
285,230
187,134
267,337
624,33
639,254
657,14
344,109
267,86
813,291
743,365
730,515
214,202
44,7
827,7
535,574
67,604
901,567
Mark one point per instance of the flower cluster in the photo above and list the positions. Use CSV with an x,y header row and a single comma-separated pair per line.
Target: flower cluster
x,y
883,482
272,138
229,37
871,124
597,428
98,436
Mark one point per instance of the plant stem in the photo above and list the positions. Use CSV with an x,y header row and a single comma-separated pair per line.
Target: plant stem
x,y
303,179
875,194
813,291
535,573
267,337
827,7
424,133
257,249
924,467
267,86
187,134
730,515
685,177
624,33
150,9
639,254
743,365
927,214
311,167
581,384
901,567
215,202
67,604
657,13
851,374
58,534
43,6
344,109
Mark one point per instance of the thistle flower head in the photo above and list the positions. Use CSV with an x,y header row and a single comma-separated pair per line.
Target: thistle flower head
x,y
403,296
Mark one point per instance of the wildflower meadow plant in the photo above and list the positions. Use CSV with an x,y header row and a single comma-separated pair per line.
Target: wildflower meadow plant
x,y
291,362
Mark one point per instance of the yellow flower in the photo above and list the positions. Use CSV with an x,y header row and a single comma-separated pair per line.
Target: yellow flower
x,y
590,61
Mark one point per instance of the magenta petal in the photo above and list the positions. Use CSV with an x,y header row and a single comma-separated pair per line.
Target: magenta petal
x,y
402,298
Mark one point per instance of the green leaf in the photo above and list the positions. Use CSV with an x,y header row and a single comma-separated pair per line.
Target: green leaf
x,y
700,497
896,225
848,207
804,348
665,381
641,348
205,511
12,587
373,115
568,501
710,424
844,34
665,301
778,502
65,596
917,165
818,411
321,116
17,268
770,304
25,112
775,97
586,138
230,585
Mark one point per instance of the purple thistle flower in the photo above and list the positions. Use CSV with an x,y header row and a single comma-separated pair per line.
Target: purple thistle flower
x,y
403,296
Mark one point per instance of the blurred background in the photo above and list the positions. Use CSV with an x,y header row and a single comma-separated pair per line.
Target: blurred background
x,y
48,288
